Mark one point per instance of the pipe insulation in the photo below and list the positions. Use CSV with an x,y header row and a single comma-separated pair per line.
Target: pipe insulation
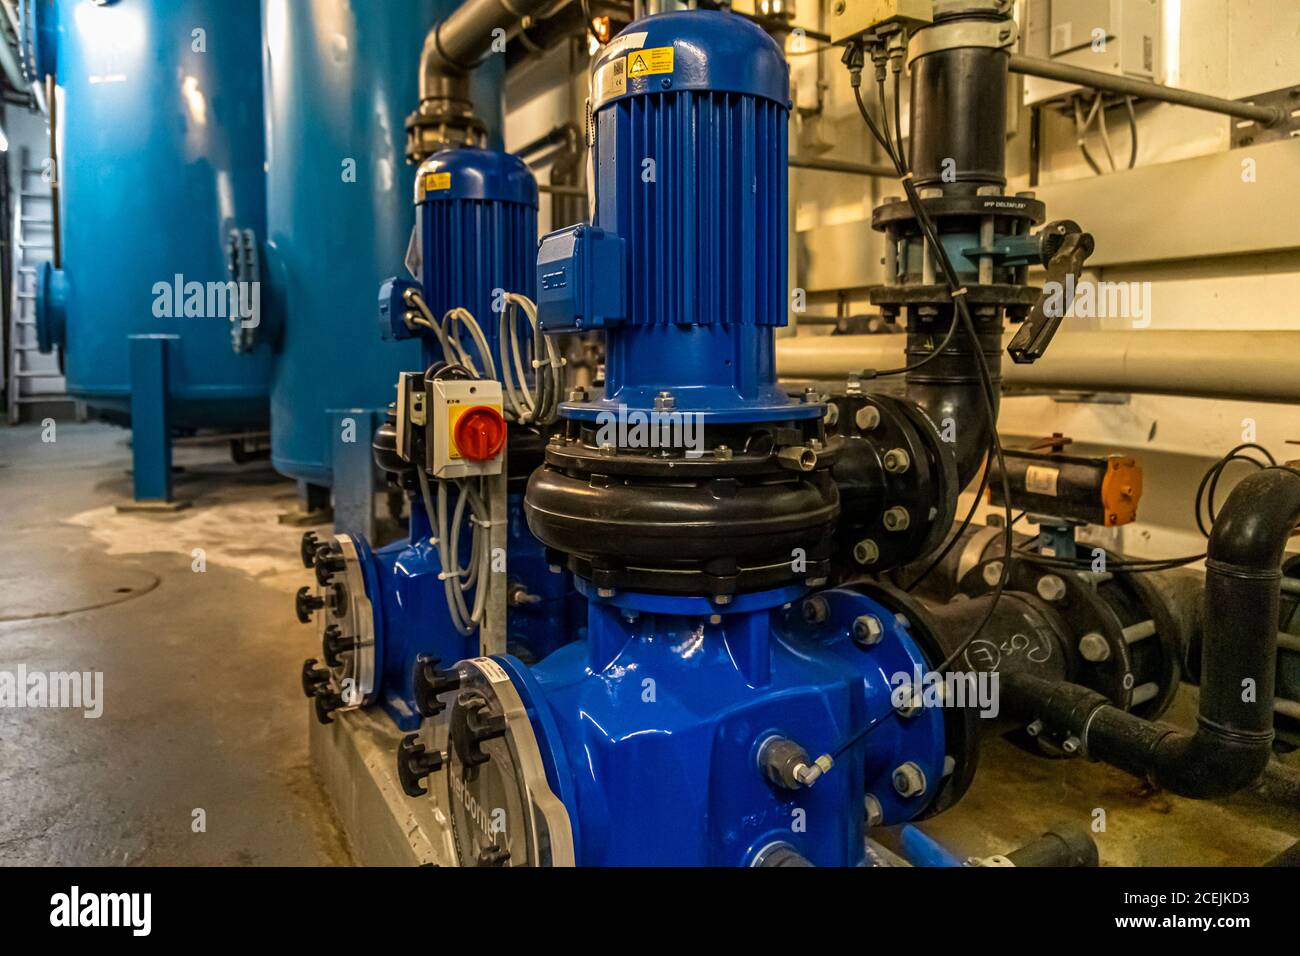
x,y
1250,366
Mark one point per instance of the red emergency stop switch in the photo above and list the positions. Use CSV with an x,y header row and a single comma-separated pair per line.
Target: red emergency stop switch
x,y
480,433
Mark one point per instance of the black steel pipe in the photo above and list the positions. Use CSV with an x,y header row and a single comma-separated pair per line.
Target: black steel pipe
x,y
456,44
1067,846
959,119
1232,743
948,388
1127,86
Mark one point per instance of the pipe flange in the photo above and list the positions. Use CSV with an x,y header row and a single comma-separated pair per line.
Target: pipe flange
x,y
890,516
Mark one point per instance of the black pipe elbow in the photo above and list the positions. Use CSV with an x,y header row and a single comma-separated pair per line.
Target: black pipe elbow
x,y
1210,763
949,389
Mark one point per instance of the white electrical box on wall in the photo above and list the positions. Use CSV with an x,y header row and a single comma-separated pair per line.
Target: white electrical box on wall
x,y
1111,36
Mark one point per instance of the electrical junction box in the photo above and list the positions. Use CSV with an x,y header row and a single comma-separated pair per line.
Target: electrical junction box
x,y
852,18
1121,37
580,283
467,431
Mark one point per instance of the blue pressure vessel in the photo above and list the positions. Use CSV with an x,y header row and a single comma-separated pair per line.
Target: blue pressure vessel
x,y
160,140
341,78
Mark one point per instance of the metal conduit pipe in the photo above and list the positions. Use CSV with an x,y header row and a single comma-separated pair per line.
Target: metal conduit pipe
x,y
452,49
1232,743
1248,366
1127,86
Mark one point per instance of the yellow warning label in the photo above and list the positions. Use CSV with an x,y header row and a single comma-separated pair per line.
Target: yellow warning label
x,y
650,62
436,181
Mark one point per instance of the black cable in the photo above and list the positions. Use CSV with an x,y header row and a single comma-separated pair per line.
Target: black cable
x,y
898,119
1124,565
885,143
961,530
958,294
962,315
1210,481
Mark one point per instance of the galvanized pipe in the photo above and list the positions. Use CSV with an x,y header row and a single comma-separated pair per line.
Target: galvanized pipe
x,y
1110,83
1249,366
841,166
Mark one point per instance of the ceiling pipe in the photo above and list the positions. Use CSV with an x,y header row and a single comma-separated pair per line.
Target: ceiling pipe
x,y
1245,366
452,50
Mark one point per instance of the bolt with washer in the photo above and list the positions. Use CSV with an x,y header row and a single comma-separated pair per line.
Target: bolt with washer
x,y
1093,648
815,610
909,780
897,519
1051,587
867,418
867,630
866,551
897,461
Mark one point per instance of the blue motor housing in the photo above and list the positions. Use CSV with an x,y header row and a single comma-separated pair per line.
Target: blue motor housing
x,y
685,264
650,742
478,237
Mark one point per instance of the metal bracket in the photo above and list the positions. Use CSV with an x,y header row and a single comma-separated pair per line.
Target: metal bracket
x,y
1249,133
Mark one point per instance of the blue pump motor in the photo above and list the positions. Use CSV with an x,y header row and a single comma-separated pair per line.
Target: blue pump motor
x,y
721,710
383,616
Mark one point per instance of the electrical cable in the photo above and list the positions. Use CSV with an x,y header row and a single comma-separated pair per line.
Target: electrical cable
x,y
960,306
527,408
1210,481
1081,130
1133,131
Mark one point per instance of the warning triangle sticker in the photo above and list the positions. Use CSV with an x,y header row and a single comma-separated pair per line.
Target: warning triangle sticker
x,y
638,64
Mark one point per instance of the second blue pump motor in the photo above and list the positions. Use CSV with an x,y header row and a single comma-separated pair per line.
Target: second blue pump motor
x,y
383,614
720,710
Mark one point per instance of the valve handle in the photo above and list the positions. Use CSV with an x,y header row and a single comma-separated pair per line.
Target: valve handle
x,y
414,763
305,604
428,682
1068,247
472,725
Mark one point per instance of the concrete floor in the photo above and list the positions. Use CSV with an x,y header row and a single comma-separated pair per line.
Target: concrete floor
x,y
203,708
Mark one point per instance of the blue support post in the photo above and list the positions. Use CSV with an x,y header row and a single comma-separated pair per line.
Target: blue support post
x,y
151,436
354,471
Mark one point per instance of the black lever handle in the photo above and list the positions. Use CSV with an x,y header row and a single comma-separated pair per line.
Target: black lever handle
x,y
1064,267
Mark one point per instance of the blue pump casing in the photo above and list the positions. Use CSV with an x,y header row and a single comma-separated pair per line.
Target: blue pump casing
x,y
160,142
650,733
411,618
